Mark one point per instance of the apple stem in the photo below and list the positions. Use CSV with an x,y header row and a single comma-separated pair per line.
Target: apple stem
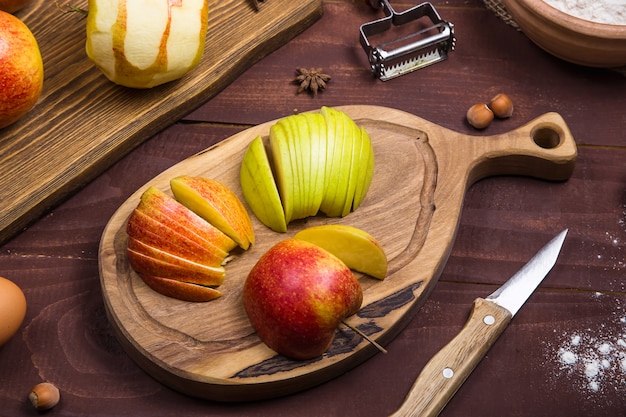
x,y
71,9
366,337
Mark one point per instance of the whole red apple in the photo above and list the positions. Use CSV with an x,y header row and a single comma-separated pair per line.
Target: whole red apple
x,y
12,6
21,69
296,296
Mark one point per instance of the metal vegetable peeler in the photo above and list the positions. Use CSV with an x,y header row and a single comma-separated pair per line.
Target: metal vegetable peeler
x,y
429,40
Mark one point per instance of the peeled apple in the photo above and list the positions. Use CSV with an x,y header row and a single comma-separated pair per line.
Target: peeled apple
x,y
145,43
314,162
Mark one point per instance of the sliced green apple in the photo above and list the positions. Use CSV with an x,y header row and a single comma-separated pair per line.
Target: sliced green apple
x,y
282,163
322,162
298,193
259,187
318,144
366,172
334,155
359,250
217,204
302,143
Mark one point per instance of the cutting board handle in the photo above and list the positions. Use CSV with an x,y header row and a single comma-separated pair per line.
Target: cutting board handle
x,y
543,148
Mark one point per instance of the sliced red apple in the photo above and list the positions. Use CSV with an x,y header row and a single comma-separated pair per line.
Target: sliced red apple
x,y
143,263
165,209
148,230
217,204
181,290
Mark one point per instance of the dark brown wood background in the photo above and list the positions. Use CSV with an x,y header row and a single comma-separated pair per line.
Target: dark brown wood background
x,y
67,340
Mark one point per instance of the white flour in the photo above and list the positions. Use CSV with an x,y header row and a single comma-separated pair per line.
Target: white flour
x,y
611,12
594,360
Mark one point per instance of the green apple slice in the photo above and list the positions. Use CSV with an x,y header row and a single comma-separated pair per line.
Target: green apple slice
x,y
342,178
359,250
317,130
299,192
302,139
334,154
259,187
282,164
355,154
366,170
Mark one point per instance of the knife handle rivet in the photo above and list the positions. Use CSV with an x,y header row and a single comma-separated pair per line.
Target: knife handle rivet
x,y
448,373
489,320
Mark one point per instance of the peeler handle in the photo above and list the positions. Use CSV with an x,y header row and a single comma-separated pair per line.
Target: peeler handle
x,y
382,4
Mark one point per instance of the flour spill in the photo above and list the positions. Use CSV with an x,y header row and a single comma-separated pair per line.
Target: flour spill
x,y
594,360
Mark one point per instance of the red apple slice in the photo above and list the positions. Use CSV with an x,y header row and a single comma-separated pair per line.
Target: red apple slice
x,y
165,209
181,290
153,233
143,263
217,204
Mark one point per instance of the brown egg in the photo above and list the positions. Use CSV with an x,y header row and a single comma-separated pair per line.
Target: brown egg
x,y
12,309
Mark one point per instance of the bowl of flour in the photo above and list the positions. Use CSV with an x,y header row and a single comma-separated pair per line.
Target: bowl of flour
x,y
585,32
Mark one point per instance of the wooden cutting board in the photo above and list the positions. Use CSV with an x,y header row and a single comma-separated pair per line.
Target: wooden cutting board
x,y
422,172
83,123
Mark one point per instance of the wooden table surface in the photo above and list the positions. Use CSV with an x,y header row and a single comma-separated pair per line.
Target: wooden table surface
x,y
564,353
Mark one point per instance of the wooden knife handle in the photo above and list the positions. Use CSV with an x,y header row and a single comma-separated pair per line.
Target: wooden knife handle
x,y
444,374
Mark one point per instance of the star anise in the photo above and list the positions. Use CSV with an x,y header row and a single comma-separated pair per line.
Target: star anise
x,y
312,79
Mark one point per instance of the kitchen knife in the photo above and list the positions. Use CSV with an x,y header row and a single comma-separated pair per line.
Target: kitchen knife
x,y
444,374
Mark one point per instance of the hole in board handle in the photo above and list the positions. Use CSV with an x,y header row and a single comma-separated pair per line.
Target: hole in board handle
x,y
547,137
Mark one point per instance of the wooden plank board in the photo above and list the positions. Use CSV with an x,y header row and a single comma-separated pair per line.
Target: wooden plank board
x,y
83,122
422,172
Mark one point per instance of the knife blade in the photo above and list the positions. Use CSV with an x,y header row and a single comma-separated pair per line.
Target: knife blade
x,y
444,374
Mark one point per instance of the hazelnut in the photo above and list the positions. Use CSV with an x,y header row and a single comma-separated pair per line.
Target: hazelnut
x,y
44,396
479,115
501,105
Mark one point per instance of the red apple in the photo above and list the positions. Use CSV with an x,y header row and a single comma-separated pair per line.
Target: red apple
x,y
12,6
296,296
21,69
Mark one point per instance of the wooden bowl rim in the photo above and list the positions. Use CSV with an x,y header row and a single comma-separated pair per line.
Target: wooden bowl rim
x,y
572,23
